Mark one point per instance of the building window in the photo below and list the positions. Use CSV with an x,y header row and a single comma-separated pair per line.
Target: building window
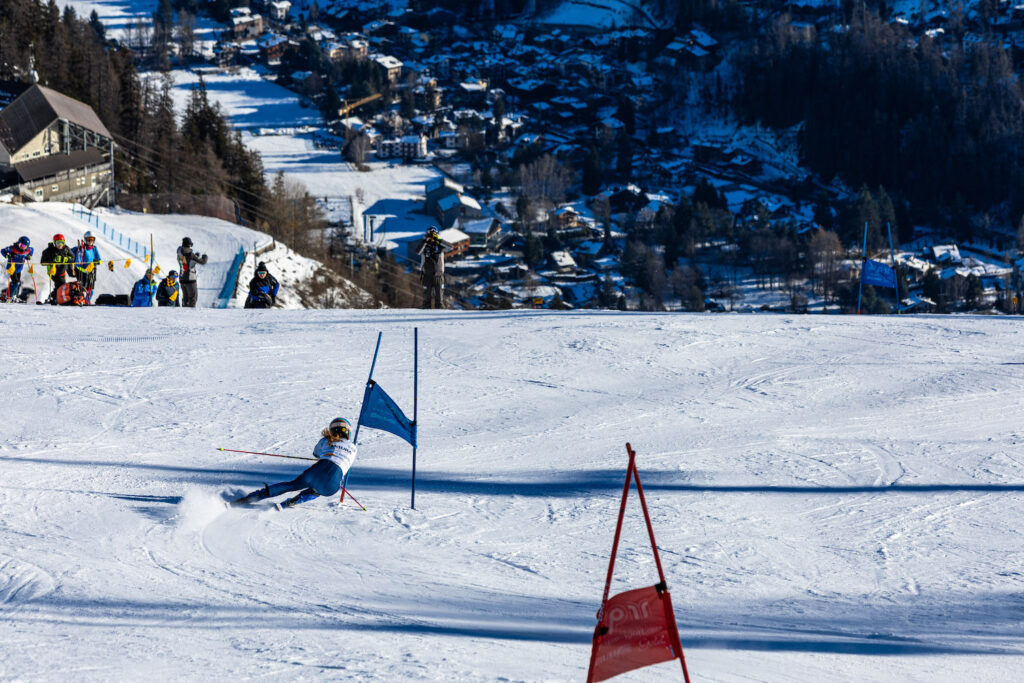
x,y
54,188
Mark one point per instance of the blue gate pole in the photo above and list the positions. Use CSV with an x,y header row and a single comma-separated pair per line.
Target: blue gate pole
x,y
415,405
864,256
355,439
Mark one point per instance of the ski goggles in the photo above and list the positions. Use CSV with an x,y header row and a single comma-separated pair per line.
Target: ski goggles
x,y
58,243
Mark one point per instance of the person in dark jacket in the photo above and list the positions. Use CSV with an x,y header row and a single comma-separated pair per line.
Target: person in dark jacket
x,y
144,290
187,261
263,288
58,260
432,269
169,293
16,255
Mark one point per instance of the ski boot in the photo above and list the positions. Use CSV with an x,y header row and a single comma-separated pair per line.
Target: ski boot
x,y
292,502
252,497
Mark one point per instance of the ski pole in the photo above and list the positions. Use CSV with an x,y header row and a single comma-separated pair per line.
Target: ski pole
x,y
273,455
344,491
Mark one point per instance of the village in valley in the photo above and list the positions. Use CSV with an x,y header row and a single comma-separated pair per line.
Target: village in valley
x,y
558,155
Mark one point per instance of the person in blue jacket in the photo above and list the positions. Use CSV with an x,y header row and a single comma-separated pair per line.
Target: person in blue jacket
x,y
263,289
87,259
17,255
335,454
169,292
144,290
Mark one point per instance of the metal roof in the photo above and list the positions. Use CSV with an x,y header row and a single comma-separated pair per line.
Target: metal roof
x,y
38,107
45,167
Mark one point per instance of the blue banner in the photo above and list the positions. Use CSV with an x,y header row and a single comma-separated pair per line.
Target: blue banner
x,y
878,274
381,412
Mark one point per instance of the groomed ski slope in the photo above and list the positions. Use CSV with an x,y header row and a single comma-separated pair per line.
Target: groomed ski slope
x,y
836,498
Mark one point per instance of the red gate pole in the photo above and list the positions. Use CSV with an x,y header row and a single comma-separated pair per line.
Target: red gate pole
x,y
611,561
663,586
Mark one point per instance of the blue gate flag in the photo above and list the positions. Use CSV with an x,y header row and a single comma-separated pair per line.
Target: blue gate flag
x,y
878,274
379,411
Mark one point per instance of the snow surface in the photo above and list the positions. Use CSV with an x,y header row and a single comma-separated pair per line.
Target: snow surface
x,y
835,498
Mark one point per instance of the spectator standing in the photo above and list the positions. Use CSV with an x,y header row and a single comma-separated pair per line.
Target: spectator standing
x,y
169,293
17,255
187,260
58,259
87,257
263,288
432,269
144,290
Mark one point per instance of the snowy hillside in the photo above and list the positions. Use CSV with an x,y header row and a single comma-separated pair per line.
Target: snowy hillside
x,y
218,239
835,498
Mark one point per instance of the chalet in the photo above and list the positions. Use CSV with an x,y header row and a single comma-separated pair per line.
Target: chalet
x,y
408,147
437,189
454,206
272,48
226,55
55,148
278,10
456,241
245,25
562,262
390,68
483,232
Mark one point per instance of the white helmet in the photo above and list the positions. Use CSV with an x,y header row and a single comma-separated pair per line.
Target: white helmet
x,y
89,235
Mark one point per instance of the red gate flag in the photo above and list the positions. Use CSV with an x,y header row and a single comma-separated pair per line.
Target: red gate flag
x,y
636,628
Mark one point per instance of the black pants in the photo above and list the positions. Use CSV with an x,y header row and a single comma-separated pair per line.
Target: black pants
x,y
189,293
433,292
56,281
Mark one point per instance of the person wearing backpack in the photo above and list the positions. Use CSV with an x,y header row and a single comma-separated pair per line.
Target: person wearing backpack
x,y
58,259
187,261
87,258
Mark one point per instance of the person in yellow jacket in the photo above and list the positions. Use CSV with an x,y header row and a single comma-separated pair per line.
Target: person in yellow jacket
x,y
169,291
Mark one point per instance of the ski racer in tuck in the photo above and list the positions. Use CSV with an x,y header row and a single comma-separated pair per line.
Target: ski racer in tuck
x,y
17,255
335,454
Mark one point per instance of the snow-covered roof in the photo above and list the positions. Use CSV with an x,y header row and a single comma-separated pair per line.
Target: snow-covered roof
x,y
562,259
453,236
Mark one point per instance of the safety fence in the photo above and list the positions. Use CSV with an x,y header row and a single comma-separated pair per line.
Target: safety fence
x,y
123,242
231,281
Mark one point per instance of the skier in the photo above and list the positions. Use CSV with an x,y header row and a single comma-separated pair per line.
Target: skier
x,y
169,293
186,261
57,258
335,454
17,255
71,294
87,257
432,269
144,289
263,289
